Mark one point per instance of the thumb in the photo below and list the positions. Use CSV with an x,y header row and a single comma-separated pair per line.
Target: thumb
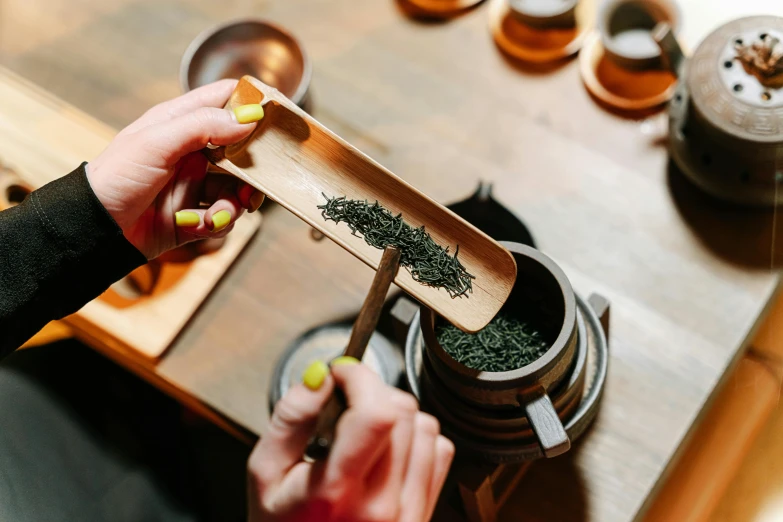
x,y
191,132
290,429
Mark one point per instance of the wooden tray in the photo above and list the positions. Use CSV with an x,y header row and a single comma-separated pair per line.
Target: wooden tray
x,y
295,160
41,139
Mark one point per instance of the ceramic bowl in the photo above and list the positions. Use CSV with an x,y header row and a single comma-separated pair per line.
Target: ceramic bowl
x,y
254,47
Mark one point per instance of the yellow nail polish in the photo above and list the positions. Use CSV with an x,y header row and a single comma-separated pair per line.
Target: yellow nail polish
x,y
344,360
249,113
313,377
184,218
255,200
220,220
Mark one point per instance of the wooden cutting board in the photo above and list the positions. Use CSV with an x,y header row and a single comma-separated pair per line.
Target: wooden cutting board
x,y
43,138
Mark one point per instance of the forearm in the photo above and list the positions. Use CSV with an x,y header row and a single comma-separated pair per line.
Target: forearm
x,y
59,249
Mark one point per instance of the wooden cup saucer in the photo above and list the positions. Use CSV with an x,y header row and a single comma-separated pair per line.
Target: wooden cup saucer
x,y
539,45
443,7
621,88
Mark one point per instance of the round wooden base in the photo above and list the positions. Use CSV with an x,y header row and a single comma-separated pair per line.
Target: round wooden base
x,y
619,88
536,45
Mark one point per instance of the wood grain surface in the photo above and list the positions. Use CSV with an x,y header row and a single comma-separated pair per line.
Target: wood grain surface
x,y
438,104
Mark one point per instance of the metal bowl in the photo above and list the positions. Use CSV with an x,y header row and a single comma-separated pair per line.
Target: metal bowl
x,y
254,47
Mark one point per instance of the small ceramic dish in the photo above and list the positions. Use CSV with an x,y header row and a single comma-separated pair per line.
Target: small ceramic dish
x,y
621,88
621,63
248,47
540,34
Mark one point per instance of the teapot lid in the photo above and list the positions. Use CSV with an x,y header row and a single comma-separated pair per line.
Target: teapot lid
x,y
735,79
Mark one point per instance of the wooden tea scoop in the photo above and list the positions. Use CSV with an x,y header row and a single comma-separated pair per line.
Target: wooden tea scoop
x,y
295,161
363,329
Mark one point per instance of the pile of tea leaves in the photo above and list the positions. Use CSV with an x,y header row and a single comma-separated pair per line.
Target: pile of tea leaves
x,y
504,344
428,262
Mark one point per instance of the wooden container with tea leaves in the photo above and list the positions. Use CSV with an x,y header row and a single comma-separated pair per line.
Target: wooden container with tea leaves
x,y
527,384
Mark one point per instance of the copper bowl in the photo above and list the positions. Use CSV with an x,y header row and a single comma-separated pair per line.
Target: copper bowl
x,y
248,46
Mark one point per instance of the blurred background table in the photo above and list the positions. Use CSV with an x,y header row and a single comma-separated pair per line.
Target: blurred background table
x,y
439,105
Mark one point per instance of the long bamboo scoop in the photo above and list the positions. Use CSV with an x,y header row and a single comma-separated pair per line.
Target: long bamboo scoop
x,y
295,161
362,330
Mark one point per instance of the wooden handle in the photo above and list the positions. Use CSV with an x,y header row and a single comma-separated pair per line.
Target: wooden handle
x,y
371,310
363,329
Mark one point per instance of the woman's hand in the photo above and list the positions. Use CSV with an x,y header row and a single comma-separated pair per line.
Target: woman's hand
x,y
388,461
153,180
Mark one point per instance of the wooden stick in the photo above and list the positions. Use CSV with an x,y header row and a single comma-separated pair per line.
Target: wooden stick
x,y
363,329
365,324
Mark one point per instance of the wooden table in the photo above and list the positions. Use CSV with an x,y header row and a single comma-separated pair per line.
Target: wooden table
x,y
438,104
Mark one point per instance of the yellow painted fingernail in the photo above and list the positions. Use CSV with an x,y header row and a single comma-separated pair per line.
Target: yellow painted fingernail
x,y
184,218
313,377
220,220
344,360
249,113
255,201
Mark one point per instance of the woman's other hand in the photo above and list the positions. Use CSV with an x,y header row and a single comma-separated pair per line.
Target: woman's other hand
x,y
153,180
388,462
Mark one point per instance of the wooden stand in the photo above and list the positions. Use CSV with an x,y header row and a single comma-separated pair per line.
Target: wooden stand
x,y
484,488
476,492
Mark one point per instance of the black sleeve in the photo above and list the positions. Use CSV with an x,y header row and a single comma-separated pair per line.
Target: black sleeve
x,y
59,249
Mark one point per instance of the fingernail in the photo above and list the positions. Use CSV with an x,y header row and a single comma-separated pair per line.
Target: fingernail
x,y
313,377
344,360
220,220
255,201
183,218
249,113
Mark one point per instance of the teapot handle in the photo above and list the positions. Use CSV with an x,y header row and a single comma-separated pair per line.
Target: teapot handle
x,y
671,52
